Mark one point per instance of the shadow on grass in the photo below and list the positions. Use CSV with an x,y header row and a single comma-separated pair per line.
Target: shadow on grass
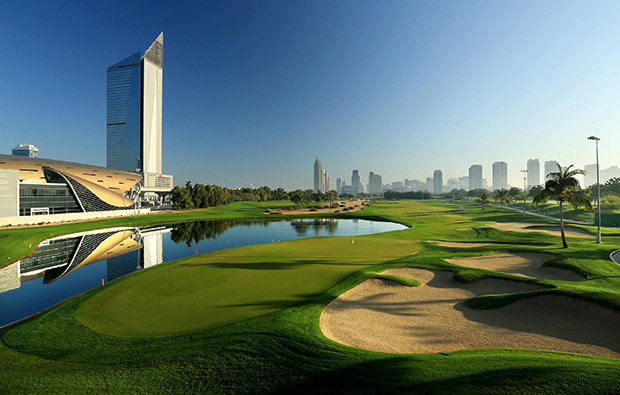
x,y
565,317
403,375
267,265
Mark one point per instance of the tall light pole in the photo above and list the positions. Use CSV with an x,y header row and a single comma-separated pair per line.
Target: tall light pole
x,y
598,191
524,188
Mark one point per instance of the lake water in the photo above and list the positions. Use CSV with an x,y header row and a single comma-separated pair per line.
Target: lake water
x,y
65,266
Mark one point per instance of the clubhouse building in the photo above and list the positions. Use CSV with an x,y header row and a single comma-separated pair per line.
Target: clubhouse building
x,y
39,187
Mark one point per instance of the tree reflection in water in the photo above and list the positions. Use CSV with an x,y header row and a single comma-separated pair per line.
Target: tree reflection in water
x,y
301,226
194,232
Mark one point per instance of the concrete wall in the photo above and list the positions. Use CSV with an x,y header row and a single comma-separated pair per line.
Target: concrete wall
x,y
37,219
9,193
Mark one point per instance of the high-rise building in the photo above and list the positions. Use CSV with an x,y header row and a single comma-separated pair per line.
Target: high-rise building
x,y
319,178
500,175
533,172
325,181
375,183
355,180
339,185
134,116
551,166
437,182
429,184
475,177
590,176
27,150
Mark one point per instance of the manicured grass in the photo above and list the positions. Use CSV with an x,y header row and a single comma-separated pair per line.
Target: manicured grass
x,y
284,351
214,289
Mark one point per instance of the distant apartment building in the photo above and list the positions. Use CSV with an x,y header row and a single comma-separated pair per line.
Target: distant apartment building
x,y
398,186
319,178
609,173
590,177
463,183
475,177
605,175
551,166
375,183
452,183
27,150
500,175
325,181
437,182
429,184
533,172
355,181
339,185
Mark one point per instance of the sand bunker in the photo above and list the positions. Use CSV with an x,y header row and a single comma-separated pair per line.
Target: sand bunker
x,y
527,264
569,231
382,315
456,244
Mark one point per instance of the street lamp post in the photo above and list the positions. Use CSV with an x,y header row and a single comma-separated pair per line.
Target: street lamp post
x,y
524,188
598,191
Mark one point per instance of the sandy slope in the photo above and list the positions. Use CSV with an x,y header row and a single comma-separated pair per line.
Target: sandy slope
x,y
531,227
382,315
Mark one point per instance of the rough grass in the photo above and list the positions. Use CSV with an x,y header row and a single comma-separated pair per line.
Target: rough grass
x,y
285,352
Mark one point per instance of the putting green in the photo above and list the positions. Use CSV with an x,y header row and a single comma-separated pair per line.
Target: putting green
x,y
214,289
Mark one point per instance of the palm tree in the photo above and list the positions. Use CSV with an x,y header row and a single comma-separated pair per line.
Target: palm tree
x,y
562,186
502,196
332,195
484,198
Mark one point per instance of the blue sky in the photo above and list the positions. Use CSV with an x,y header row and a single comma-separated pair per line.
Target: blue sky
x,y
254,90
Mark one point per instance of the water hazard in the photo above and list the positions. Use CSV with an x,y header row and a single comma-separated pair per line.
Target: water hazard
x,y
67,265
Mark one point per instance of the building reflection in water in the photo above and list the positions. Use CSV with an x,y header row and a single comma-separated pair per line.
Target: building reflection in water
x,y
56,257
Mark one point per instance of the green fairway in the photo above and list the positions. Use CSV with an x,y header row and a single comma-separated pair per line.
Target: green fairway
x,y
226,286
246,320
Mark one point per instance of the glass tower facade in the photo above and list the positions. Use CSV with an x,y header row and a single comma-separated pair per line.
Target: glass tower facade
x,y
134,112
123,114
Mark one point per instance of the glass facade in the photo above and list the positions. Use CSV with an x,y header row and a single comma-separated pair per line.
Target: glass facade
x,y
56,198
54,253
123,114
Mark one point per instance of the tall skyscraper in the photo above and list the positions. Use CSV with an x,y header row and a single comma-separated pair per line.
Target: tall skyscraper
x,y
475,177
437,182
325,181
500,175
429,184
339,185
533,172
551,166
355,181
319,177
375,183
134,116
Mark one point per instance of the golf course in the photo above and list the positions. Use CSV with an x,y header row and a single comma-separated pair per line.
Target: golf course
x,y
463,301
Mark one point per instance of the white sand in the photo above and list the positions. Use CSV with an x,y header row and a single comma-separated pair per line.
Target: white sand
x,y
527,264
382,315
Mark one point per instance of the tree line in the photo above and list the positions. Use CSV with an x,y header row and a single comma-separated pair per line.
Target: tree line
x,y
203,196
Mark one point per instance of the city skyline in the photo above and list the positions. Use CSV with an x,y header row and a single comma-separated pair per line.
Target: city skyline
x,y
401,88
